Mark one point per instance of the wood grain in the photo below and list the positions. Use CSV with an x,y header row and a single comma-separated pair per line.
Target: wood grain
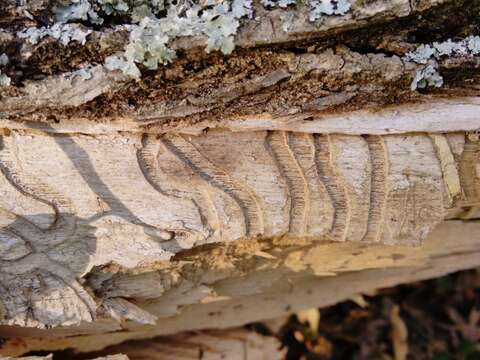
x,y
73,203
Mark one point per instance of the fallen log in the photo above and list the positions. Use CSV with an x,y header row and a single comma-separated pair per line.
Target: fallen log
x,y
327,155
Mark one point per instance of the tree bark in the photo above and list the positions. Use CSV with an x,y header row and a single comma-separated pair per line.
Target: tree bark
x,y
298,171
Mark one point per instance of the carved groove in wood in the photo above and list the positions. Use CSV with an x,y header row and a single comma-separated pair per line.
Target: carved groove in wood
x,y
152,196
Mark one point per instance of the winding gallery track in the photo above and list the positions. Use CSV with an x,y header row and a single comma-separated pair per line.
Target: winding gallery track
x,y
154,196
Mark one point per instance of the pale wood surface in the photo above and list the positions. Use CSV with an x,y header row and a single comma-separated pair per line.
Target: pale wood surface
x,y
233,344
225,190
154,197
233,287
50,357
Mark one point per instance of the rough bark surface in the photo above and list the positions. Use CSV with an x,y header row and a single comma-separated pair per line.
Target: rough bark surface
x,y
218,190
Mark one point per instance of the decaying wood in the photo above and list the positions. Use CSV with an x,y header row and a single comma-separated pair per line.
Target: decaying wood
x,y
234,344
154,197
231,344
163,223
307,68
249,282
220,190
49,357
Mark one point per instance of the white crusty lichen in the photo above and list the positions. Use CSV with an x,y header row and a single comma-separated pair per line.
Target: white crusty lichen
x,y
426,53
77,10
3,59
59,31
4,79
427,76
423,53
280,3
319,8
84,73
153,24
95,10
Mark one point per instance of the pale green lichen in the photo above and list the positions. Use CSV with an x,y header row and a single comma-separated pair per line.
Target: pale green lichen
x,y
287,21
319,8
280,3
4,79
425,53
469,46
95,10
219,22
148,41
76,10
84,73
62,32
153,24
427,76
129,68
4,60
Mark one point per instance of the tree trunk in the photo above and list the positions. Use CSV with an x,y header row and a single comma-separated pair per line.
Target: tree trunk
x,y
322,158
